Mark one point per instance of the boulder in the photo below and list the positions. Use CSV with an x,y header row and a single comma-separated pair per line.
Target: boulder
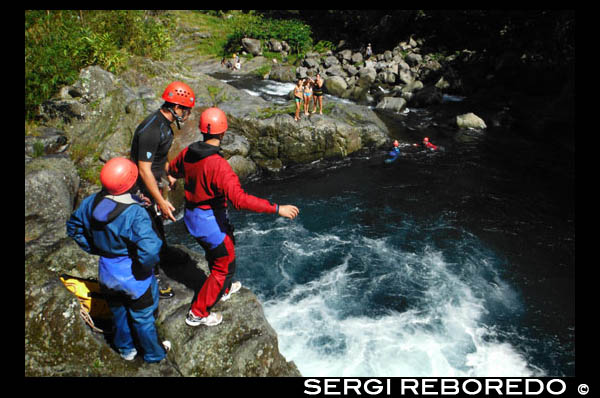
x,y
93,84
47,140
310,62
470,121
330,61
413,59
366,76
425,97
51,185
282,73
242,166
394,104
357,58
335,85
253,46
275,45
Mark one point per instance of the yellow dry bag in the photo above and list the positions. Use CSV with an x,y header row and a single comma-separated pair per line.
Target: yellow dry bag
x,y
93,304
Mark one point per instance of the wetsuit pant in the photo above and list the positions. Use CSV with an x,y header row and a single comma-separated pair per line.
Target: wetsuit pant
x,y
138,315
221,262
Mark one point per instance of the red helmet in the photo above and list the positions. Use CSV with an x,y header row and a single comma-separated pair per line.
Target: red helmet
x,y
426,139
396,143
213,121
118,175
179,93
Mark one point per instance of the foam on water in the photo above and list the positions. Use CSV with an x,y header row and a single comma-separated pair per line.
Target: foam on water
x,y
358,306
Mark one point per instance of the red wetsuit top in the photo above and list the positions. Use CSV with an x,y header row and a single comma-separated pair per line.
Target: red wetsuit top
x,y
430,145
210,181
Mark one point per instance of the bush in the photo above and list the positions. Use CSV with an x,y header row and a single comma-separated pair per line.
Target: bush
x,y
59,43
294,32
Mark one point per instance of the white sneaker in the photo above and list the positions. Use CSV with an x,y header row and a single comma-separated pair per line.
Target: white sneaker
x,y
167,345
235,286
213,319
130,356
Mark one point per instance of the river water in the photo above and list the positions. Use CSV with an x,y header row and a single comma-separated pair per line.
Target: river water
x,y
451,263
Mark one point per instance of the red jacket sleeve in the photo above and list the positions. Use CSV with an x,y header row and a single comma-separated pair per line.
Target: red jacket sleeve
x,y
176,165
228,183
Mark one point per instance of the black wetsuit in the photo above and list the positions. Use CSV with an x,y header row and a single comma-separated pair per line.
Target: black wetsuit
x,y
151,143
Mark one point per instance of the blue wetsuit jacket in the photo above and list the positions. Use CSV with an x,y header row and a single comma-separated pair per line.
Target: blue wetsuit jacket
x,y
119,230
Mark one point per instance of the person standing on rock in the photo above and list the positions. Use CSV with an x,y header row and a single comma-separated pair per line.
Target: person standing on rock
x,y
210,183
298,96
318,94
369,51
308,83
150,146
113,224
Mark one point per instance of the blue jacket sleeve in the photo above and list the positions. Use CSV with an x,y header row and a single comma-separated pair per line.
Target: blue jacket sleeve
x,y
147,242
76,228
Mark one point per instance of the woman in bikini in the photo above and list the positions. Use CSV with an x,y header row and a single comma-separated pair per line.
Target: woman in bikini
x,y
308,83
318,94
298,94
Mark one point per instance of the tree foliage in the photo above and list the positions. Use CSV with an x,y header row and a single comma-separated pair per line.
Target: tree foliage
x,y
58,43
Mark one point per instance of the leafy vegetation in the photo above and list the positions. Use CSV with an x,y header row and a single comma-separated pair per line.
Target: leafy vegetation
x,y
296,33
58,43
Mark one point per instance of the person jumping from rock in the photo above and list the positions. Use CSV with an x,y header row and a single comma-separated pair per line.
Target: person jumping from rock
x,y
209,183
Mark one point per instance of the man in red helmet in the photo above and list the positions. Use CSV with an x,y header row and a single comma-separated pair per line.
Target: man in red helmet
x,y
151,143
113,225
209,183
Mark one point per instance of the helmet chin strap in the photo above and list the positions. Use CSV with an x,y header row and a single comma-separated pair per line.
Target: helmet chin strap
x,y
177,118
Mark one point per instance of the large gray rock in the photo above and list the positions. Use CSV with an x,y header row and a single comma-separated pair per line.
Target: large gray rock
x,y
51,185
335,85
282,73
470,121
394,104
253,46
93,84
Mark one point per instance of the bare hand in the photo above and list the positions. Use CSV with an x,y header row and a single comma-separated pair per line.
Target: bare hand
x,y
172,181
288,211
167,209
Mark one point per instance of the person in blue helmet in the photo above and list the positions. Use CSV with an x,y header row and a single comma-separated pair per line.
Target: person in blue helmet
x,y
114,225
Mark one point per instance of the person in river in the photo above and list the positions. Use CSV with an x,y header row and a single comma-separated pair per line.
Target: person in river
x,y
210,182
308,89
318,94
427,144
395,150
298,97
150,146
113,225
